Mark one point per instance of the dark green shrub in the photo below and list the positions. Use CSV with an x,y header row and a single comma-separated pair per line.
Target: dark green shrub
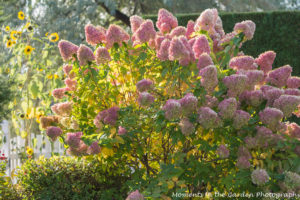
x,y
7,189
69,178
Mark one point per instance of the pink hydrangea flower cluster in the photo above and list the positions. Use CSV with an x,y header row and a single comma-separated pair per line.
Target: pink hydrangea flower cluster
x,y
166,21
109,116
209,78
85,55
53,132
247,27
223,151
260,177
122,130
227,108
115,34
94,35
145,99
188,103
102,56
265,61
67,49
63,109
144,85
186,126
172,109
136,195
94,148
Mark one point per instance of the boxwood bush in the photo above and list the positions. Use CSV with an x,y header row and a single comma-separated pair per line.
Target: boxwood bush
x,y
59,178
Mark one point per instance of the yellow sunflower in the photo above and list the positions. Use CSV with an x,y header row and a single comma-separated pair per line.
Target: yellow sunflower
x,y
21,15
53,37
28,49
28,26
13,35
7,28
9,43
46,34
29,151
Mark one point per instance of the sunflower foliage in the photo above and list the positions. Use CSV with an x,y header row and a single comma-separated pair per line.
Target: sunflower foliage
x,y
33,73
188,111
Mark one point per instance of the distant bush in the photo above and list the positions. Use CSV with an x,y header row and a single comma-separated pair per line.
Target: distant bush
x,y
71,178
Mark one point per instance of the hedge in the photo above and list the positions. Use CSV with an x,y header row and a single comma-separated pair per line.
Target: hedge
x,y
278,31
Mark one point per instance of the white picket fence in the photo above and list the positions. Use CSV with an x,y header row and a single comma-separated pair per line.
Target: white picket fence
x,y
10,146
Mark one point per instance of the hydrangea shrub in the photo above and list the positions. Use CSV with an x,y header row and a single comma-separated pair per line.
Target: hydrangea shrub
x,y
187,109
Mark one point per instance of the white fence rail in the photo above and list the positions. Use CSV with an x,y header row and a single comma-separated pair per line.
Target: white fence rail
x,y
43,147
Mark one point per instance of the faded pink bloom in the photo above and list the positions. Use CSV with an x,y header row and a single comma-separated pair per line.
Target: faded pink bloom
x,y
115,34
78,151
63,109
166,21
67,49
59,93
190,29
207,20
71,84
67,70
135,22
163,53
200,46
186,127
287,104
208,118
260,177
94,35
172,109
279,76
291,91
73,139
188,103
204,61
236,84
271,117
293,82
254,98
136,195
178,50
85,55
211,101
241,63
265,61
145,32
293,130
243,163
145,99
102,56
240,119
227,108
254,78
144,85
122,130
109,116
223,151
209,77
272,94
178,31
94,148
265,137
247,27
53,132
